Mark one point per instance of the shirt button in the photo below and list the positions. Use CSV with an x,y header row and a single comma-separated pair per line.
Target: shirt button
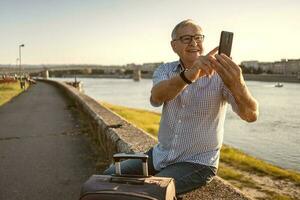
x,y
186,91
179,121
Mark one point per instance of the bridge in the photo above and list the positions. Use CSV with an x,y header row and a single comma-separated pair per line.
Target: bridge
x,y
126,71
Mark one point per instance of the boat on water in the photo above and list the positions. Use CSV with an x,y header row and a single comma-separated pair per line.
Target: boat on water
x,y
278,84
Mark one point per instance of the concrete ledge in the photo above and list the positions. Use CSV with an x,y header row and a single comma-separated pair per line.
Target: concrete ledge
x,y
115,134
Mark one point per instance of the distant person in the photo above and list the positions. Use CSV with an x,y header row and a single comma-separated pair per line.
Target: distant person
x,y
22,83
194,92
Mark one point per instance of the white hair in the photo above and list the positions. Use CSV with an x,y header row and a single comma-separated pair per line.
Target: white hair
x,y
182,24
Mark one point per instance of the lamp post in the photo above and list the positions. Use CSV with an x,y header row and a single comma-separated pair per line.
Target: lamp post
x,y
20,62
17,60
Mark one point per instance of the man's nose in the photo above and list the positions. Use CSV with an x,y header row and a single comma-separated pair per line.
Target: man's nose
x,y
193,42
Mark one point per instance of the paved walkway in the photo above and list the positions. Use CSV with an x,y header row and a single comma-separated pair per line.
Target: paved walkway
x,y
42,156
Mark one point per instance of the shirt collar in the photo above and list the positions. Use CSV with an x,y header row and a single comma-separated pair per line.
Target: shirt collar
x,y
179,67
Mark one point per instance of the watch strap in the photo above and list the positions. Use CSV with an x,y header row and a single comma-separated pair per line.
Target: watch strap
x,y
182,75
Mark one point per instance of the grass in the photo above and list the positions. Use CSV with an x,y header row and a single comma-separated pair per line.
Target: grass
x,y
229,173
149,121
146,120
248,163
8,91
275,196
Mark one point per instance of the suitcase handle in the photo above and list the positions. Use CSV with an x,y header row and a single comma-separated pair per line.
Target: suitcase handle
x,y
117,160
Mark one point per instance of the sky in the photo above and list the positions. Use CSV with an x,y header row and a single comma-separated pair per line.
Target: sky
x,y
118,32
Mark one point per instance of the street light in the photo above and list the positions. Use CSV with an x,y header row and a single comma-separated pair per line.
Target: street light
x,y
21,45
17,60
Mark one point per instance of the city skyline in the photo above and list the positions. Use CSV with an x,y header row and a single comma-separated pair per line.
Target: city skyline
x,y
122,32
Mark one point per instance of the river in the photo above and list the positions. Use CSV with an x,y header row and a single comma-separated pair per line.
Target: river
x,y
274,137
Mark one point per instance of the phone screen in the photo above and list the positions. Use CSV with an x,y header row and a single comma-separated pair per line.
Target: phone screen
x,y
225,43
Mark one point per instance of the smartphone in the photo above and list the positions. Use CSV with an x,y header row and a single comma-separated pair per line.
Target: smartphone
x,y
225,43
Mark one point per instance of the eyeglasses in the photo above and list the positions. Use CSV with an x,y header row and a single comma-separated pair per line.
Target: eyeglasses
x,y
187,39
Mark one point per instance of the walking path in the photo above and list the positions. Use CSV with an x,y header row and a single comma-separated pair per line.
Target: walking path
x,y
42,153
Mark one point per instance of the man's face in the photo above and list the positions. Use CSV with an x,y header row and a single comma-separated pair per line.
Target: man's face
x,y
188,53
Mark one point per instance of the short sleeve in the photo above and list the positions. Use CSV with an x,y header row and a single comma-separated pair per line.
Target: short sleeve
x,y
160,74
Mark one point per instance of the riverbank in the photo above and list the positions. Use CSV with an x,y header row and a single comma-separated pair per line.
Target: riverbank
x,y
254,177
272,78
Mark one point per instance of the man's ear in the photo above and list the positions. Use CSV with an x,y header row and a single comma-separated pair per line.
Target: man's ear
x,y
173,44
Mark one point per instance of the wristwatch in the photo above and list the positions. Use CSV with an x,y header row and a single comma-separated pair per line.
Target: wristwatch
x,y
187,81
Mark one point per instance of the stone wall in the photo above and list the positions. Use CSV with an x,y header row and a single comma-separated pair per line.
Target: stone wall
x,y
115,134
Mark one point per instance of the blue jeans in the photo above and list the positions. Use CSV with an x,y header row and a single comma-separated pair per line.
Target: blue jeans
x,y
187,176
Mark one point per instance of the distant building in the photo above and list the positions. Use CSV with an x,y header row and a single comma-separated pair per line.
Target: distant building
x,y
250,64
285,66
266,66
150,66
293,66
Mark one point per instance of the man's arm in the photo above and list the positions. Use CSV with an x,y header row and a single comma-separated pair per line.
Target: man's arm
x,y
247,104
232,77
168,89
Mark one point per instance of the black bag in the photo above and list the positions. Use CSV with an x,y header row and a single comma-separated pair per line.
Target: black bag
x,y
128,187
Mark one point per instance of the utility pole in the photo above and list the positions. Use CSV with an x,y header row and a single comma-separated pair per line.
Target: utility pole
x,y
20,61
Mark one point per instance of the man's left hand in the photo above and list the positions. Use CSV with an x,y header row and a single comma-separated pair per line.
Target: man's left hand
x,y
230,72
232,77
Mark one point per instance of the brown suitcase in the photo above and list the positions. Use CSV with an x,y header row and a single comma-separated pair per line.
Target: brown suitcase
x,y
128,187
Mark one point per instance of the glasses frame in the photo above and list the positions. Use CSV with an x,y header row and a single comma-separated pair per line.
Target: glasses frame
x,y
192,38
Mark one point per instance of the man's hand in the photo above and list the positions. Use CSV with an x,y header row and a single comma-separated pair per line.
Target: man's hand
x,y
230,72
202,66
232,77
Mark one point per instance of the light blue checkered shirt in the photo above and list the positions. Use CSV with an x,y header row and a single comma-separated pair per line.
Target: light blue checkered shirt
x,y
192,124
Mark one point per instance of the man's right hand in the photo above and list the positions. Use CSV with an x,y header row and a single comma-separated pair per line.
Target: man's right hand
x,y
202,66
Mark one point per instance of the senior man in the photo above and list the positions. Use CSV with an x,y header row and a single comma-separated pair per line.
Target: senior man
x,y
194,92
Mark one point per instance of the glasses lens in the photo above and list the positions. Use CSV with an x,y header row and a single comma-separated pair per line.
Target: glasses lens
x,y
186,39
199,38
